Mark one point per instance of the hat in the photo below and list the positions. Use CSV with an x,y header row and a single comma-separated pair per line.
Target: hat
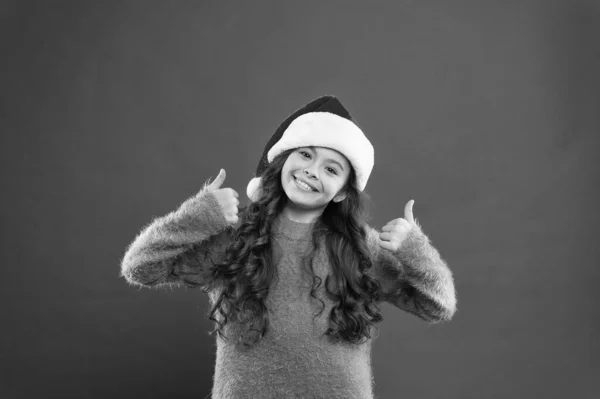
x,y
323,122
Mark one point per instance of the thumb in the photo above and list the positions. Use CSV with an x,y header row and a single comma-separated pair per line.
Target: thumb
x,y
216,184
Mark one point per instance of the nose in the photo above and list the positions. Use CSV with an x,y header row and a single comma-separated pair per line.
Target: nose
x,y
310,174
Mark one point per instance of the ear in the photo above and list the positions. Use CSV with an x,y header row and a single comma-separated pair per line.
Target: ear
x,y
340,197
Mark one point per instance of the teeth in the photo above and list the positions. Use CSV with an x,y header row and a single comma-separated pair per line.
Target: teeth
x,y
304,185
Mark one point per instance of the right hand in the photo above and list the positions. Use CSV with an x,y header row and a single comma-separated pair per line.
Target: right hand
x,y
226,197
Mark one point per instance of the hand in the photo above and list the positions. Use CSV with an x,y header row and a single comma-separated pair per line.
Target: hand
x,y
395,232
226,197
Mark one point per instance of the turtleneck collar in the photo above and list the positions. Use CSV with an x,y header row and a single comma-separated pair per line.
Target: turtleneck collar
x,y
291,229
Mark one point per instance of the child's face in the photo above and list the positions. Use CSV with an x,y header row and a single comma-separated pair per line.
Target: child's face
x,y
324,169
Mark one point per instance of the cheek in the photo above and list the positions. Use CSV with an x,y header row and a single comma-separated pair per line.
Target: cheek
x,y
286,168
334,186
288,165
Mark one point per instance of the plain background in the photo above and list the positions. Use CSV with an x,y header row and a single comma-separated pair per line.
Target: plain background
x,y
486,113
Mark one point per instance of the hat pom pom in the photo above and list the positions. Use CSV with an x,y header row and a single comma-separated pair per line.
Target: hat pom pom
x,y
253,189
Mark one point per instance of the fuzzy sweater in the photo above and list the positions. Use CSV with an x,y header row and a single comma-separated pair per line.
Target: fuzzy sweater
x,y
294,359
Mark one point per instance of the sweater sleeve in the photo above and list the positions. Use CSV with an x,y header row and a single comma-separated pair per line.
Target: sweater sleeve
x,y
415,278
178,248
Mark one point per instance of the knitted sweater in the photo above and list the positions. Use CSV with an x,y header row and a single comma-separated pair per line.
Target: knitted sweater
x,y
294,359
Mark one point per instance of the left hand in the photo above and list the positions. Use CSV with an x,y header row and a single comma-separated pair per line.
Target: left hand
x,y
394,233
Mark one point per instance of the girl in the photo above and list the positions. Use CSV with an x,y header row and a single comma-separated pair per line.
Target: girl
x,y
282,333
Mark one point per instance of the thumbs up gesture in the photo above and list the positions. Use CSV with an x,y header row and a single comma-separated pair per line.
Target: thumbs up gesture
x,y
394,233
226,197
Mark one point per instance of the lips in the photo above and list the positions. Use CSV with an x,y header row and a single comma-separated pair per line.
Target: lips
x,y
307,183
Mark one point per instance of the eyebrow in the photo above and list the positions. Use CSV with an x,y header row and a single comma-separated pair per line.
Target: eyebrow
x,y
312,148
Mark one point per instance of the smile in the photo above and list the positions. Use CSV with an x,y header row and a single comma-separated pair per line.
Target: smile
x,y
304,186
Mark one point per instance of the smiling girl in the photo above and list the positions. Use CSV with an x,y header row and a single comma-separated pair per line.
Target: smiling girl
x,y
295,278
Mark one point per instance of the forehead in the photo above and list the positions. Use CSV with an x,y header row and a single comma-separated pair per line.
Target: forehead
x,y
330,153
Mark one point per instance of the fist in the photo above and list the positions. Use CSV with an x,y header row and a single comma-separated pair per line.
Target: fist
x,y
394,233
226,197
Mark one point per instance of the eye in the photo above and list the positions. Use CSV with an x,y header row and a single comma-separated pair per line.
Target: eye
x,y
332,171
304,154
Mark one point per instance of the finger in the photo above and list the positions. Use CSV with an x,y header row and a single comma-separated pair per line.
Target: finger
x,y
235,194
216,184
388,227
387,245
408,211
386,236
395,222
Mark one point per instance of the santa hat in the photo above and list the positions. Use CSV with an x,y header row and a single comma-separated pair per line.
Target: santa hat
x,y
323,122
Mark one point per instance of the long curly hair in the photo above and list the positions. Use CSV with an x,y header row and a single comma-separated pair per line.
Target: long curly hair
x,y
248,270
